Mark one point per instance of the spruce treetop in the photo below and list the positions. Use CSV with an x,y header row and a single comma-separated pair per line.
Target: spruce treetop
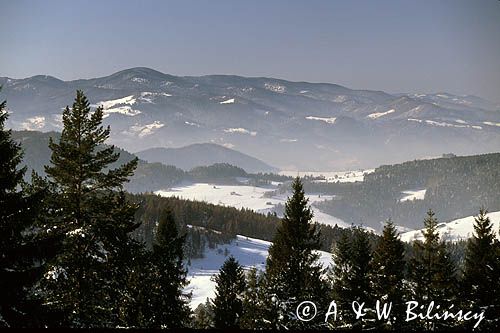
x,y
80,158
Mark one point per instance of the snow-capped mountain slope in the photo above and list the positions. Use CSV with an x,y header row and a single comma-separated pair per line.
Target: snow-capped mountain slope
x,y
333,127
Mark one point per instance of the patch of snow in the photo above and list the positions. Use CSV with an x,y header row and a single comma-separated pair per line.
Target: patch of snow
x,y
55,272
304,91
148,97
145,130
229,101
289,140
250,252
167,83
460,121
120,105
417,109
444,124
228,145
124,110
455,230
411,195
192,124
415,120
275,87
328,219
139,80
331,176
240,130
326,120
76,232
380,114
489,123
33,123
130,100
250,197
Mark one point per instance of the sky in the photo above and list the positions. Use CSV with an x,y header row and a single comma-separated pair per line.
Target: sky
x,y
395,46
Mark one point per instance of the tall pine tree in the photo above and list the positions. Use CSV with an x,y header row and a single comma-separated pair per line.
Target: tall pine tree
x,y
388,274
350,277
481,282
252,301
17,250
293,273
86,279
169,301
228,304
433,273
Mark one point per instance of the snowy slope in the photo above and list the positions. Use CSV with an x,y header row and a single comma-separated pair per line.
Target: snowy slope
x,y
249,252
242,196
458,229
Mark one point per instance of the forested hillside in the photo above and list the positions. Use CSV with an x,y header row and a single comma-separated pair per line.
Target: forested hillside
x,y
454,187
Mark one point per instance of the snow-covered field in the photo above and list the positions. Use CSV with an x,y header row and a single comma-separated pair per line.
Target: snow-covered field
x,y
244,196
455,230
413,195
331,177
249,252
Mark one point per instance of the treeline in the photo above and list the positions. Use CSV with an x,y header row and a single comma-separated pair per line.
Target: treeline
x,y
422,291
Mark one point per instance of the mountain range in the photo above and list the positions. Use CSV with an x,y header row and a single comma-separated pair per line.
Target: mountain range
x,y
290,125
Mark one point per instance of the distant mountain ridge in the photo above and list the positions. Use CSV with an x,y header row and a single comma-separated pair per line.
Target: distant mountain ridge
x,y
200,154
150,176
290,125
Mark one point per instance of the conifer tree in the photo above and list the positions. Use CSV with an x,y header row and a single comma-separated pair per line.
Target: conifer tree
x,y
228,304
252,301
170,303
135,308
203,316
293,273
350,276
481,282
387,275
85,280
433,273
17,250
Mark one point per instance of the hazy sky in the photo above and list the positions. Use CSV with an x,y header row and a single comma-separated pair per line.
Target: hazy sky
x,y
396,46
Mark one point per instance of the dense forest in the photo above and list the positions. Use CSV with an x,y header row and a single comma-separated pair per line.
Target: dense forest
x,y
77,251
455,187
